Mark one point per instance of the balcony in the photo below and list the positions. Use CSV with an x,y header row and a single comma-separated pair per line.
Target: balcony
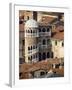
x,y
45,34
30,52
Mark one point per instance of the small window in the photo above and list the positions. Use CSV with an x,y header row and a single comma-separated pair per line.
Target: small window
x,y
48,41
48,55
31,31
34,47
42,73
43,30
27,17
39,29
33,56
23,42
29,58
31,47
56,43
62,44
28,48
44,42
48,30
20,74
28,31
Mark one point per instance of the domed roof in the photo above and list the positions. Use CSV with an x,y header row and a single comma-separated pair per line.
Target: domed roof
x,y
31,23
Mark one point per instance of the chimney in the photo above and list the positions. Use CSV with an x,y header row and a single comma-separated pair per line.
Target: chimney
x,y
35,15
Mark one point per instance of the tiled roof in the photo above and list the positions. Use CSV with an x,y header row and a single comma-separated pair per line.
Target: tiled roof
x,y
45,64
58,33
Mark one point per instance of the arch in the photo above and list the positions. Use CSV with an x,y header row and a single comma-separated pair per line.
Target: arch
x,y
28,31
48,29
31,31
39,29
48,55
28,48
44,56
44,41
40,58
43,30
31,47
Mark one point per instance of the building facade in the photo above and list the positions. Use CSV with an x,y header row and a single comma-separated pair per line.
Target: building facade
x,y
40,40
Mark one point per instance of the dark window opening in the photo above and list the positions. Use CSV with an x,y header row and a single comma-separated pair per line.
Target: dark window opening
x,y
62,44
20,74
40,57
39,29
43,29
31,47
28,31
48,54
31,57
31,31
23,42
28,48
44,42
57,66
27,17
47,29
42,73
21,60
48,41
20,22
44,56
55,42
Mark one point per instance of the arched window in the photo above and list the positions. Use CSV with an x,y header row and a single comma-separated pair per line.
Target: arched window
x,y
48,41
23,42
44,56
48,30
28,48
39,29
28,31
31,31
27,17
34,47
43,30
44,41
31,47
31,57
48,55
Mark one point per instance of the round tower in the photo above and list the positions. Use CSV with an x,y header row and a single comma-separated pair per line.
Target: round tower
x,y
31,41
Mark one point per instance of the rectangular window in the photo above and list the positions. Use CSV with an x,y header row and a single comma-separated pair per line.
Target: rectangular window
x,y
56,43
62,44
